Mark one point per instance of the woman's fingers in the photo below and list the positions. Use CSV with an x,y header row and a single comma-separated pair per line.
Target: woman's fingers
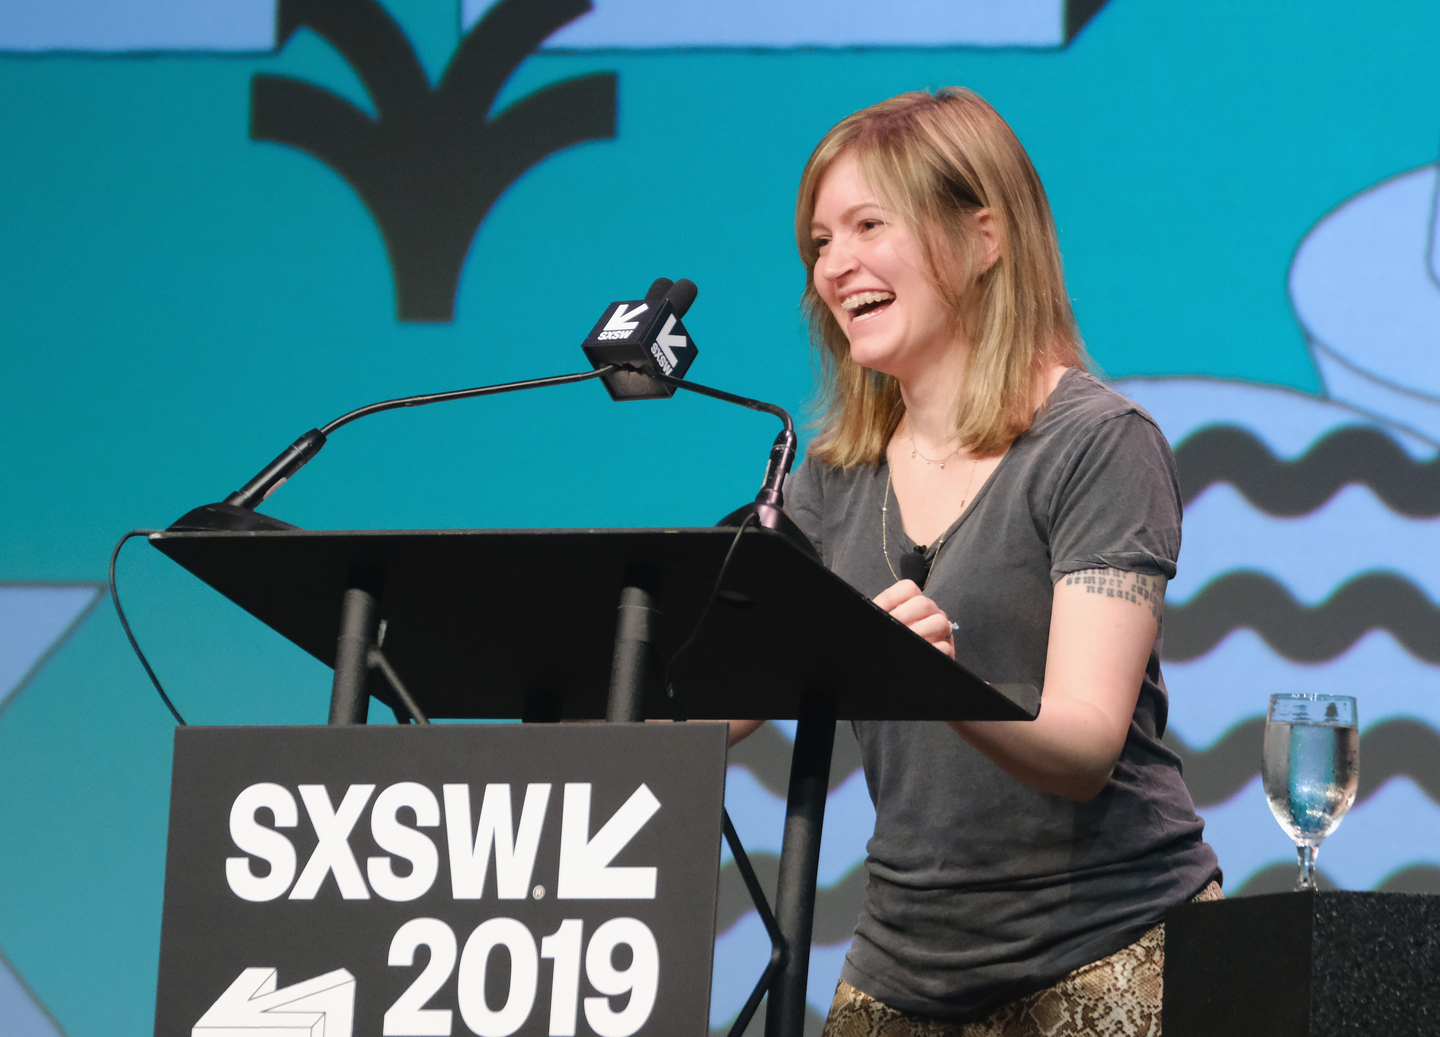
x,y
906,603
913,610
932,628
896,594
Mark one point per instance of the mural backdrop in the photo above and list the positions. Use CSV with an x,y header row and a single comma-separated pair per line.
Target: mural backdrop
x,y
223,222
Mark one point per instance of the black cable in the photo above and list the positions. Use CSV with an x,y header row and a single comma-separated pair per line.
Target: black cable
x,y
115,597
709,602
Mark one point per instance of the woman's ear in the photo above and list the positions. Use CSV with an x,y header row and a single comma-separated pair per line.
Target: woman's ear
x,y
988,229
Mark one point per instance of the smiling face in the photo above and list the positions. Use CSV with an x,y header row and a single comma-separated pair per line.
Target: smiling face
x,y
872,275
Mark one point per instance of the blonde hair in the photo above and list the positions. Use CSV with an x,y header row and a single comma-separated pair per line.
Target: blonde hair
x,y
935,161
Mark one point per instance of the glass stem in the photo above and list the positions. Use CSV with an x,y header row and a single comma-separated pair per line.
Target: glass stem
x,y
1307,854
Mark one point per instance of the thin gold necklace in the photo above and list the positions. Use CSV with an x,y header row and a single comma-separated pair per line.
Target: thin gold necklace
x,y
915,450
884,532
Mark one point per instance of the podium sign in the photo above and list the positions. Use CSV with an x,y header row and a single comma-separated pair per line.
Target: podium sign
x,y
486,879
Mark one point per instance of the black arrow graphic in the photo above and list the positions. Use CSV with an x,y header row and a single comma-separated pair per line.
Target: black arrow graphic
x,y
433,162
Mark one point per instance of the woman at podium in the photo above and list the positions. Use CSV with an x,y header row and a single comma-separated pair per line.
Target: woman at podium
x,y
985,489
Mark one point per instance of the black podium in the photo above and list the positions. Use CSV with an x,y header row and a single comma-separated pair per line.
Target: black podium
x,y
1308,964
549,625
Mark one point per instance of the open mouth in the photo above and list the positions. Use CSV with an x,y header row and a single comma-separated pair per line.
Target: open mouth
x,y
865,304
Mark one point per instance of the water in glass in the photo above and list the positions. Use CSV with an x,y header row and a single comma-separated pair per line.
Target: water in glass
x,y
1311,769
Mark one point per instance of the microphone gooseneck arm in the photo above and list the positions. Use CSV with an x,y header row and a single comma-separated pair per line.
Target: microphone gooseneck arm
x,y
307,446
782,453
730,397
460,394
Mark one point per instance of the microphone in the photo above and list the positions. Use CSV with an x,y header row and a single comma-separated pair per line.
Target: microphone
x,y
651,350
638,349
664,304
643,340
237,512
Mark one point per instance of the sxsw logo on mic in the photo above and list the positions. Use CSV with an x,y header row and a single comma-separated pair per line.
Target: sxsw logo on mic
x,y
622,322
646,338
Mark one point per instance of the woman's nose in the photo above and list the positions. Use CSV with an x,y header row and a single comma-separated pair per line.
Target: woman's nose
x,y
838,260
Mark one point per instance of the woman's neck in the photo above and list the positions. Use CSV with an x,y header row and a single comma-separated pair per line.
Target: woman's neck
x,y
930,397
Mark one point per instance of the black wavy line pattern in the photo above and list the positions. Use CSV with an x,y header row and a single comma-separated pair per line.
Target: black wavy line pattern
x,y
1280,878
836,907
1227,453
1299,632
766,755
1395,748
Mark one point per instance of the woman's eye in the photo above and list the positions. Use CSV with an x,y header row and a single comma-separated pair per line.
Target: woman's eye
x,y
820,243
871,224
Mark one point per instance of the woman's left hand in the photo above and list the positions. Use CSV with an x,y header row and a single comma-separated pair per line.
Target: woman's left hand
x,y
908,604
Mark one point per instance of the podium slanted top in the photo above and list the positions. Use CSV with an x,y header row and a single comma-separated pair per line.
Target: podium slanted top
x,y
482,624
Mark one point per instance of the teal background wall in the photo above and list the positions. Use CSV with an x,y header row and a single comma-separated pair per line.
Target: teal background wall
x,y
178,302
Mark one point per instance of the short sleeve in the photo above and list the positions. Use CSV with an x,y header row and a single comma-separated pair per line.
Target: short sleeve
x,y
1117,504
805,502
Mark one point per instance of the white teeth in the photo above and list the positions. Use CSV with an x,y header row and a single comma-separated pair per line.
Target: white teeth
x,y
859,299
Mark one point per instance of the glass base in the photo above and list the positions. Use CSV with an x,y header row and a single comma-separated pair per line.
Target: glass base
x,y
1307,854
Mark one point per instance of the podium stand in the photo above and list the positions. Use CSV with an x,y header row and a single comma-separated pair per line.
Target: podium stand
x,y
547,625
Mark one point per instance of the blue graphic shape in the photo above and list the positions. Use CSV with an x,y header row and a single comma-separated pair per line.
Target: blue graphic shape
x,y
118,26
1363,287
1311,554
21,1013
1364,290
647,24
1234,681
1287,421
34,619
1397,827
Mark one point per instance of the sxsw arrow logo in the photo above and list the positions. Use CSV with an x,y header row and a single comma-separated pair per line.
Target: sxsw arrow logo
x,y
252,1007
585,869
628,320
668,343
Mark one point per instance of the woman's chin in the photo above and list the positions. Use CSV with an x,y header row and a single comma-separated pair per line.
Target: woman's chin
x,y
881,360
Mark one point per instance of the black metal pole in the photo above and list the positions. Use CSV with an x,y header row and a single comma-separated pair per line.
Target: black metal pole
x,y
359,621
800,862
636,627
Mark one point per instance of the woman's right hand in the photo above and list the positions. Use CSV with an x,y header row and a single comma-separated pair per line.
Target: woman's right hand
x,y
907,603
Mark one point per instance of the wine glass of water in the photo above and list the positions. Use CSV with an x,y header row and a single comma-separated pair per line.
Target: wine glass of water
x,y
1311,769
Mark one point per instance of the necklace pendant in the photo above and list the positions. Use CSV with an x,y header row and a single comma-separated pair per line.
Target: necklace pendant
x,y
942,464
912,453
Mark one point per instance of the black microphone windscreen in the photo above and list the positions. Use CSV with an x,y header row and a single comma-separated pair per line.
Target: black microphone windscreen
x,y
911,565
682,295
658,289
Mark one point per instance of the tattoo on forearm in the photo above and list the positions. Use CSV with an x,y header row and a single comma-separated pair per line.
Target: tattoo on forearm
x,y
1145,591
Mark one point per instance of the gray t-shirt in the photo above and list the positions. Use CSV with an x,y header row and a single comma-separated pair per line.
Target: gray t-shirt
x,y
982,889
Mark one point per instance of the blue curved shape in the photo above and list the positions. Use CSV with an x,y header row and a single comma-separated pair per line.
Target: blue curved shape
x,y
21,1013
35,618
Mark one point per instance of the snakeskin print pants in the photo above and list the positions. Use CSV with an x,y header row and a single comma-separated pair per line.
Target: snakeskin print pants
x,y
1118,996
